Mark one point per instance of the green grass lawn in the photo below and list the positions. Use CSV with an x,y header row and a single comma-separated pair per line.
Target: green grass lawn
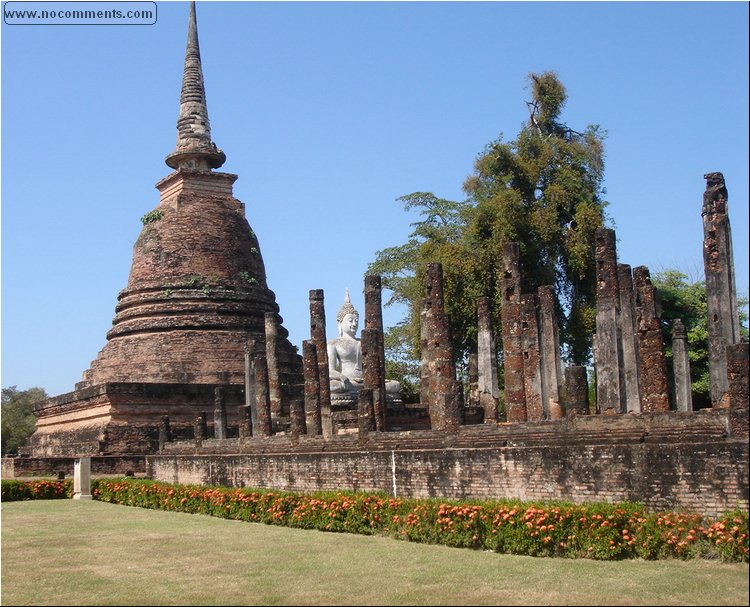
x,y
66,552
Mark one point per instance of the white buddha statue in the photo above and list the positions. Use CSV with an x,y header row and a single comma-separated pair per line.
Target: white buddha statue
x,y
345,357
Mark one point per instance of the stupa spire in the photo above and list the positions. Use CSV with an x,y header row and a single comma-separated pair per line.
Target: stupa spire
x,y
194,150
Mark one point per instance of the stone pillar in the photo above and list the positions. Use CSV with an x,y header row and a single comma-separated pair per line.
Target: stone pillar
x,y
439,389
630,364
738,377
262,397
246,421
532,370
318,335
274,380
721,291
609,392
374,320
250,382
653,373
549,346
472,370
200,427
370,344
82,479
365,414
487,386
681,367
165,433
515,396
297,417
576,391
312,387
220,413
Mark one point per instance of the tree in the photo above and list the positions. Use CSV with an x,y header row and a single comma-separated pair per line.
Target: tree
x,y
686,300
18,419
542,190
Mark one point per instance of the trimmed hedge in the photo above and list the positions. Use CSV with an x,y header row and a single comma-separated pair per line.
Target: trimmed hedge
x,y
13,491
562,529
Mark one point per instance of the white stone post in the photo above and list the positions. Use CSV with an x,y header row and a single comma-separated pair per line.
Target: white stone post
x,y
82,479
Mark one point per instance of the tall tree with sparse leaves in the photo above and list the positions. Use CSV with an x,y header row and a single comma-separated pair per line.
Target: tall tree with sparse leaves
x,y
542,190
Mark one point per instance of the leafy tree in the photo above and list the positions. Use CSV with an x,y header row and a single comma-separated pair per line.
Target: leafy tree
x,y
18,420
686,300
542,190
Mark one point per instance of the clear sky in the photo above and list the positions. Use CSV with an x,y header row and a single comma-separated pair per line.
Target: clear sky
x,y
329,112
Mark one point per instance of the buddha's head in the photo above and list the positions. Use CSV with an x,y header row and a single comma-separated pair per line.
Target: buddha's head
x,y
347,318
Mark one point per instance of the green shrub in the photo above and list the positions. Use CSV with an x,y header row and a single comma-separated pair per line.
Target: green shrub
x,y
598,531
15,490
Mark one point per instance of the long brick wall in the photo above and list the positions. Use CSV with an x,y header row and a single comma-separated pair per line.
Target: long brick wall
x,y
663,460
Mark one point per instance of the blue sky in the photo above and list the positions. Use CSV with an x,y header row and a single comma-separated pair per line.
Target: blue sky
x,y
329,112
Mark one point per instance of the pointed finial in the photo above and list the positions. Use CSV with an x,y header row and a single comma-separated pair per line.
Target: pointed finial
x,y
347,308
195,150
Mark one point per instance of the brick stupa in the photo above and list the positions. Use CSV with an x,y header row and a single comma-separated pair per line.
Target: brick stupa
x,y
196,294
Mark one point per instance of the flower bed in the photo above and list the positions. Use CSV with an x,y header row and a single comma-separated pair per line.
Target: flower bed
x,y
598,531
13,490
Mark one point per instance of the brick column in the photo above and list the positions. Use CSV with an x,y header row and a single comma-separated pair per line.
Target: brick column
x,y
374,320
312,387
274,382
737,377
608,353
250,383
165,433
318,335
681,367
721,291
532,360
439,390
653,373
246,421
365,414
576,391
370,345
549,346
262,397
630,362
515,396
220,413
487,386
200,428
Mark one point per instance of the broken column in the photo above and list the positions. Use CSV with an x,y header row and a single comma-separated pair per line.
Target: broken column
x,y
297,417
374,321
654,387
439,388
737,379
576,391
220,413
365,414
721,292
312,387
200,427
549,346
245,421
262,397
608,353
165,432
487,386
681,367
532,360
630,363
274,381
515,396
318,335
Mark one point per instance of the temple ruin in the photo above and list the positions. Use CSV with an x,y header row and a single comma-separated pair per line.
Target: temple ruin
x,y
198,381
